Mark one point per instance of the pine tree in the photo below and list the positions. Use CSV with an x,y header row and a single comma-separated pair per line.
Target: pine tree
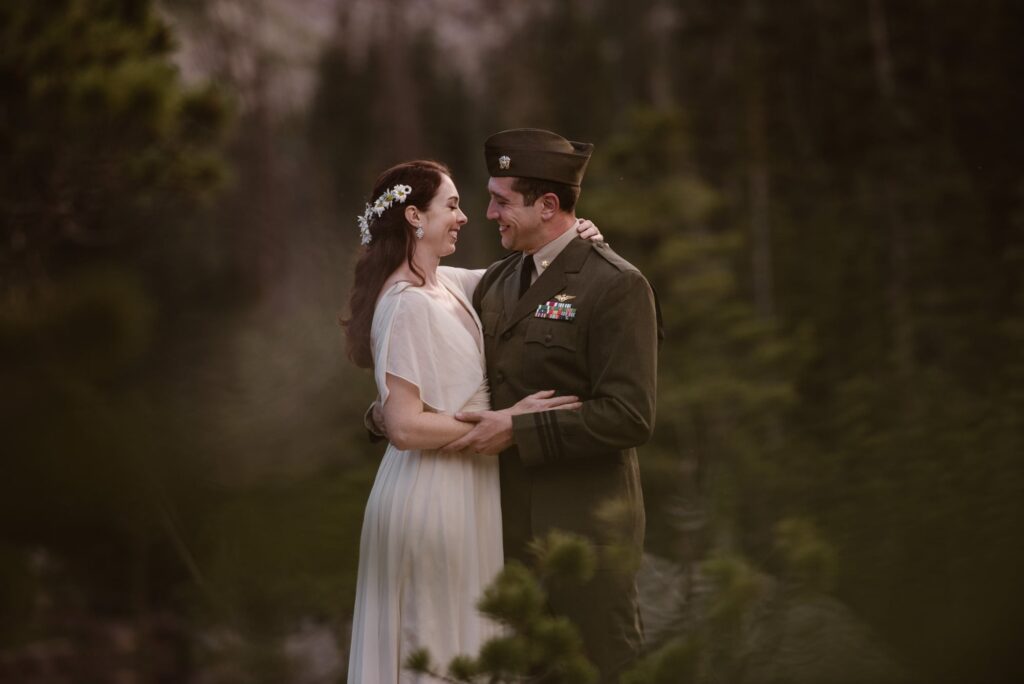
x,y
104,149
535,646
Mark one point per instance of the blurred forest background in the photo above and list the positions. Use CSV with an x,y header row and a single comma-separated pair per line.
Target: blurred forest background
x,y
828,197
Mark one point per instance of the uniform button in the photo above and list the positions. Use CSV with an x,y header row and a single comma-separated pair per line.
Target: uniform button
x,y
547,338
499,377
507,335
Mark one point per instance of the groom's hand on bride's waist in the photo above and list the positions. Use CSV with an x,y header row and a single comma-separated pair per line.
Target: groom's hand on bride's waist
x,y
491,434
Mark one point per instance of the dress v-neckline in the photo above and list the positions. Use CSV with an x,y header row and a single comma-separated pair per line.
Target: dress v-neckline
x,y
478,337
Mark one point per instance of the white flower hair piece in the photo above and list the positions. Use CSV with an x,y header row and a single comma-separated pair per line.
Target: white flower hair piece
x,y
398,194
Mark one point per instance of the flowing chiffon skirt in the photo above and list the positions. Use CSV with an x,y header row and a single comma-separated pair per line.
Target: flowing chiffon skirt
x,y
431,543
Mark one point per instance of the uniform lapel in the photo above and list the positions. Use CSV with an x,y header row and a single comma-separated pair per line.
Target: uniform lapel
x,y
552,281
511,293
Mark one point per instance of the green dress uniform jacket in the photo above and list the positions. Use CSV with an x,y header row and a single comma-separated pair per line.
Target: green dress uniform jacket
x,y
588,326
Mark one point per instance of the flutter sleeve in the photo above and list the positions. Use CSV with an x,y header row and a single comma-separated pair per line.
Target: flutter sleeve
x,y
411,341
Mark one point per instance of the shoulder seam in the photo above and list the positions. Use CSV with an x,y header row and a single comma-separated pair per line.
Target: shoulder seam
x,y
618,262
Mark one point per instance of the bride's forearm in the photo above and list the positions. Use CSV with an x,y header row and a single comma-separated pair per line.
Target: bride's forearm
x,y
410,425
425,431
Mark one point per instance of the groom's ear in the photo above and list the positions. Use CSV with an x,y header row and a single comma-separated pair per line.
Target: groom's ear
x,y
549,205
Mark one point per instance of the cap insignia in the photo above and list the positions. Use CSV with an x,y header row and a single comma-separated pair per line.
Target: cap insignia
x,y
504,161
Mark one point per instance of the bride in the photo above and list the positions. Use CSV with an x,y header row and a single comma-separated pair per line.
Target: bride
x,y
431,537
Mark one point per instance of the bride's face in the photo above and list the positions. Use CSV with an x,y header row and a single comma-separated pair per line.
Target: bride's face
x,y
442,220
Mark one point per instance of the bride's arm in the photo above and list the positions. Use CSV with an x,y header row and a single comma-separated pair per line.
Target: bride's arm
x,y
466,278
410,426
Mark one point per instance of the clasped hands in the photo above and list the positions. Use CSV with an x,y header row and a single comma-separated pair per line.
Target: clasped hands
x,y
492,432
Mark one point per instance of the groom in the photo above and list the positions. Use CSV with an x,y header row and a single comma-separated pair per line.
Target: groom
x,y
567,314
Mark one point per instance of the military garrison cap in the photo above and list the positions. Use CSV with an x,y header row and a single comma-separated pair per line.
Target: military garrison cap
x,y
536,153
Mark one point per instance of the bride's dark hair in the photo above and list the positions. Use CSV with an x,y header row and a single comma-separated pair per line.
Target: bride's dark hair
x,y
393,240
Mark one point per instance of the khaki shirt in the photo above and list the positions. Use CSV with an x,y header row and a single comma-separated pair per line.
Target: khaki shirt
x,y
543,257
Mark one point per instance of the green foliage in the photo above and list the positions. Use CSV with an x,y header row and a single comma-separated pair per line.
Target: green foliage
x,y
514,597
418,661
461,668
726,374
535,646
564,557
674,663
737,586
810,562
616,517
102,149
99,134
95,323
505,658
76,436
556,638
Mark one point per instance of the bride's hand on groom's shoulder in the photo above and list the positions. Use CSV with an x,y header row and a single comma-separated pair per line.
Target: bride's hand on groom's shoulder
x,y
586,229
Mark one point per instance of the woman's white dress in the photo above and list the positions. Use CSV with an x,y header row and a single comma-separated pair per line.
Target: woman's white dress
x,y
431,539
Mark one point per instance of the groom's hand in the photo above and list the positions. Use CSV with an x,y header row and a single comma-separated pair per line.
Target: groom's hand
x,y
373,421
492,433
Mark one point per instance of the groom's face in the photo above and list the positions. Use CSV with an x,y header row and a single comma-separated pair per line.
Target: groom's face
x,y
519,224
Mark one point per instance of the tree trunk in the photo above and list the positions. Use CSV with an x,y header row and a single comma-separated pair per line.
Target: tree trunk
x,y
758,175
898,294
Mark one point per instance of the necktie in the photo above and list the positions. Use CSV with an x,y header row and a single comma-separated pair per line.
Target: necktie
x,y
525,274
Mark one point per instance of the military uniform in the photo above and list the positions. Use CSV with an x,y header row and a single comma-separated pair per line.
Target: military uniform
x,y
587,326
